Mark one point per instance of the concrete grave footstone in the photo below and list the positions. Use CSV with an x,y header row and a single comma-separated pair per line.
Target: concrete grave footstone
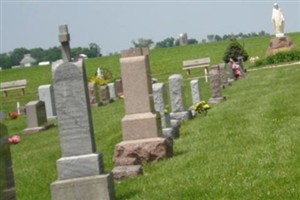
x,y
141,125
112,91
223,75
119,87
36,117
215,86
46,94
93,94
80,169
7,183
196,91
160,97
104,94
179,111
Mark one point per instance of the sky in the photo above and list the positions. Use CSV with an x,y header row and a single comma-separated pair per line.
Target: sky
x,y
113,25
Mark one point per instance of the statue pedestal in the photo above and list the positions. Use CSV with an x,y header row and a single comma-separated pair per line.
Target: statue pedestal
x,y
279,44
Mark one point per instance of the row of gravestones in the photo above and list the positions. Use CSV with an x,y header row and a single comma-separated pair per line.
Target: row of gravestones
x,y
81,173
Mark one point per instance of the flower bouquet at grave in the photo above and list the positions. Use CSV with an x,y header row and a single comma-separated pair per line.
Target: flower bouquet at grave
x,y
202,107
15,139
13,115
98,80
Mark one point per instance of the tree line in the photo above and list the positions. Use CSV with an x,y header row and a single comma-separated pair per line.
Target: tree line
x,y
170,41
7,60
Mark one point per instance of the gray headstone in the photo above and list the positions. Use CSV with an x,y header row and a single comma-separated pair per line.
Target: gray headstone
x,y
73,113
119,87
196,91
104,94
223,75
46,94
215,85
80,168
160,97
112,91
93,94
2,116
36,114
7,184
177,98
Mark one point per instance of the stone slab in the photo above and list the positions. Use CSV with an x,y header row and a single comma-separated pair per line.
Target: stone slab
x,y
100,187
121,172
216,100
37,129
79,166
138,152
140,126
181,116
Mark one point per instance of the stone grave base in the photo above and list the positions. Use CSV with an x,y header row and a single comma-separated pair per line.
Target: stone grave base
x,y
279,44
9,194
121,172
138,152
181,116
171,132
146,124
90,187
37,129
79,166
216,100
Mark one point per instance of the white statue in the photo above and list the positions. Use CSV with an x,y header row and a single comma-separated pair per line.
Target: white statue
x,y
278,20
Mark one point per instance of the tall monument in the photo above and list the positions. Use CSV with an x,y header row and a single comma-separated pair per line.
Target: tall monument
x,y
280,42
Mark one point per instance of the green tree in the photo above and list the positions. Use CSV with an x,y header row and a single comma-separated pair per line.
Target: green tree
x,y
234,50
142,42
5,61
192,41
168,42
17,55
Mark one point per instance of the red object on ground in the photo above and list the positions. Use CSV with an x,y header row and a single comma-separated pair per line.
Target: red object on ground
x,y
15,139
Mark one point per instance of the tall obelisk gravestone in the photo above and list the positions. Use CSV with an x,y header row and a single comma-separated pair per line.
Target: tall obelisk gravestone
x,y
141,125
80,170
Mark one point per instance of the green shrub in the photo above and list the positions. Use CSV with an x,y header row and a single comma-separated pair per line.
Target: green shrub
x,y
281,57
234,50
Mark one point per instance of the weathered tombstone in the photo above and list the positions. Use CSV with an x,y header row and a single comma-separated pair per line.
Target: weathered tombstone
x,y
160,96
80,170
104,94
36,117
7,184
183,39
112,91
215,85
119,87
2,116
46,94
223,75
196,91
241,64
93,94
141,125
178,106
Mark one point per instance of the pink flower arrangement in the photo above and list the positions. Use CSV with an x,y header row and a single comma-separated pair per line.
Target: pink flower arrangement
x,y
15,139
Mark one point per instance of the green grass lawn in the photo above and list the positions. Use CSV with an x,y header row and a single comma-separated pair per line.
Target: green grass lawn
x,y
245,148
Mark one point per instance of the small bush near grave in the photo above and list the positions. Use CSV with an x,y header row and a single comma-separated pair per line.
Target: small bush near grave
x,y
234,50
281,57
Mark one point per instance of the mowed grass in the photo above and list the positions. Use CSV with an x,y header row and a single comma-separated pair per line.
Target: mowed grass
x,y
245,148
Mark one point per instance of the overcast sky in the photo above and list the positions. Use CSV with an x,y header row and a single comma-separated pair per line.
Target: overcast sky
x,y
114,24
